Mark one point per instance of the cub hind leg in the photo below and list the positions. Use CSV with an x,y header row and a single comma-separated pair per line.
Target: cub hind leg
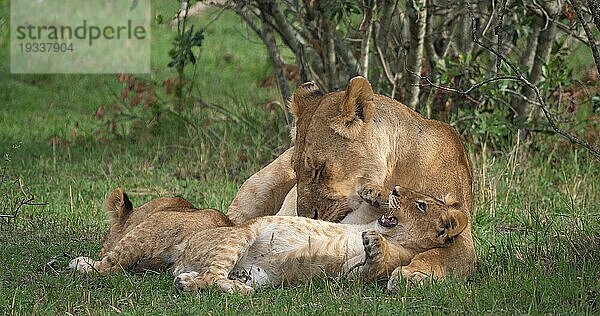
x,y
211,256
126,253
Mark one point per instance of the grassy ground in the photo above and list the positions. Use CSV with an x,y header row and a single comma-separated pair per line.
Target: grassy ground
x,y
536,215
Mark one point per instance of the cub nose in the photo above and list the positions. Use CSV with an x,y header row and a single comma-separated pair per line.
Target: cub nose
x,y
396,191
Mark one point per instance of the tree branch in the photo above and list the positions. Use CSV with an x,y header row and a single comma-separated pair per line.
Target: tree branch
x,y
346,55
499,31
366,27
276,62
417,15
594,7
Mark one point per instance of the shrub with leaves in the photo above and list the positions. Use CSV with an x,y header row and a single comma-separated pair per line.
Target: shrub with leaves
x,y
142,103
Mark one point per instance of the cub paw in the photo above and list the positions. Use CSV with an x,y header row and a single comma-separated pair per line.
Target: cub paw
x,y
373,243
185,282
412,277
82,264
235,286
373,194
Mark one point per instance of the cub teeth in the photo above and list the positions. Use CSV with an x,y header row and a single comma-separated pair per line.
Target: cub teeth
x,y
388,221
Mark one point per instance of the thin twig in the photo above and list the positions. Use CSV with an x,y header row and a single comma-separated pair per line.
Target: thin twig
x,y
489,22
466,92
27,201
520,95
544,12
385,66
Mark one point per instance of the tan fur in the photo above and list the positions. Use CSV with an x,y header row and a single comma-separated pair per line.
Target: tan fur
x,y
453,223
149,237
354,141
274,250
272,183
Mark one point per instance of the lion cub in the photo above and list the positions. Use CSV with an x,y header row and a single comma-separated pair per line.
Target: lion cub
x,y
149,237
280,249
274,250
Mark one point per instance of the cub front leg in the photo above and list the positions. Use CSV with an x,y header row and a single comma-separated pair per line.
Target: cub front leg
x,y
413,275
381,257
112,262
375,246
186,282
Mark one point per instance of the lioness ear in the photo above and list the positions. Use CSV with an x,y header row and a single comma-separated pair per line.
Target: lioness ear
x,y
452,224
356,109
118,205
305,93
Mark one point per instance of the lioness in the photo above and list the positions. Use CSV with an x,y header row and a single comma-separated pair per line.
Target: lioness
x,y
282,249
149,237
348,147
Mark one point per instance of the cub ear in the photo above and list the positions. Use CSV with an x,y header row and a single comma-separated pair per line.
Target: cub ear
x,y
356,109
452,224
451,201
306,93
118,206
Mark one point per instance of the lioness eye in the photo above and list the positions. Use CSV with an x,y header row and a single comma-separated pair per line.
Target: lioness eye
x,y
422,206
318,173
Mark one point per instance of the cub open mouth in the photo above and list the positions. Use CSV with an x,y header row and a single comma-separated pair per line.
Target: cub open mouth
x,y
388,221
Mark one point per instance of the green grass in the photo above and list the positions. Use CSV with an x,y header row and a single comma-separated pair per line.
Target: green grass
x,y
536,215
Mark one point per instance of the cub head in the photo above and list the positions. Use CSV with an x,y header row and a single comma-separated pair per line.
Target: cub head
x,y
421,222
329,147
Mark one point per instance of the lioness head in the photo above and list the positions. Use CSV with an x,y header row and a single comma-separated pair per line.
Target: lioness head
x,y
421,222
330,156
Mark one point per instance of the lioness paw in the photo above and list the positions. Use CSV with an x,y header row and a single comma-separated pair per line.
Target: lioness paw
x,y
372,241
185,282
82,264
373,194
